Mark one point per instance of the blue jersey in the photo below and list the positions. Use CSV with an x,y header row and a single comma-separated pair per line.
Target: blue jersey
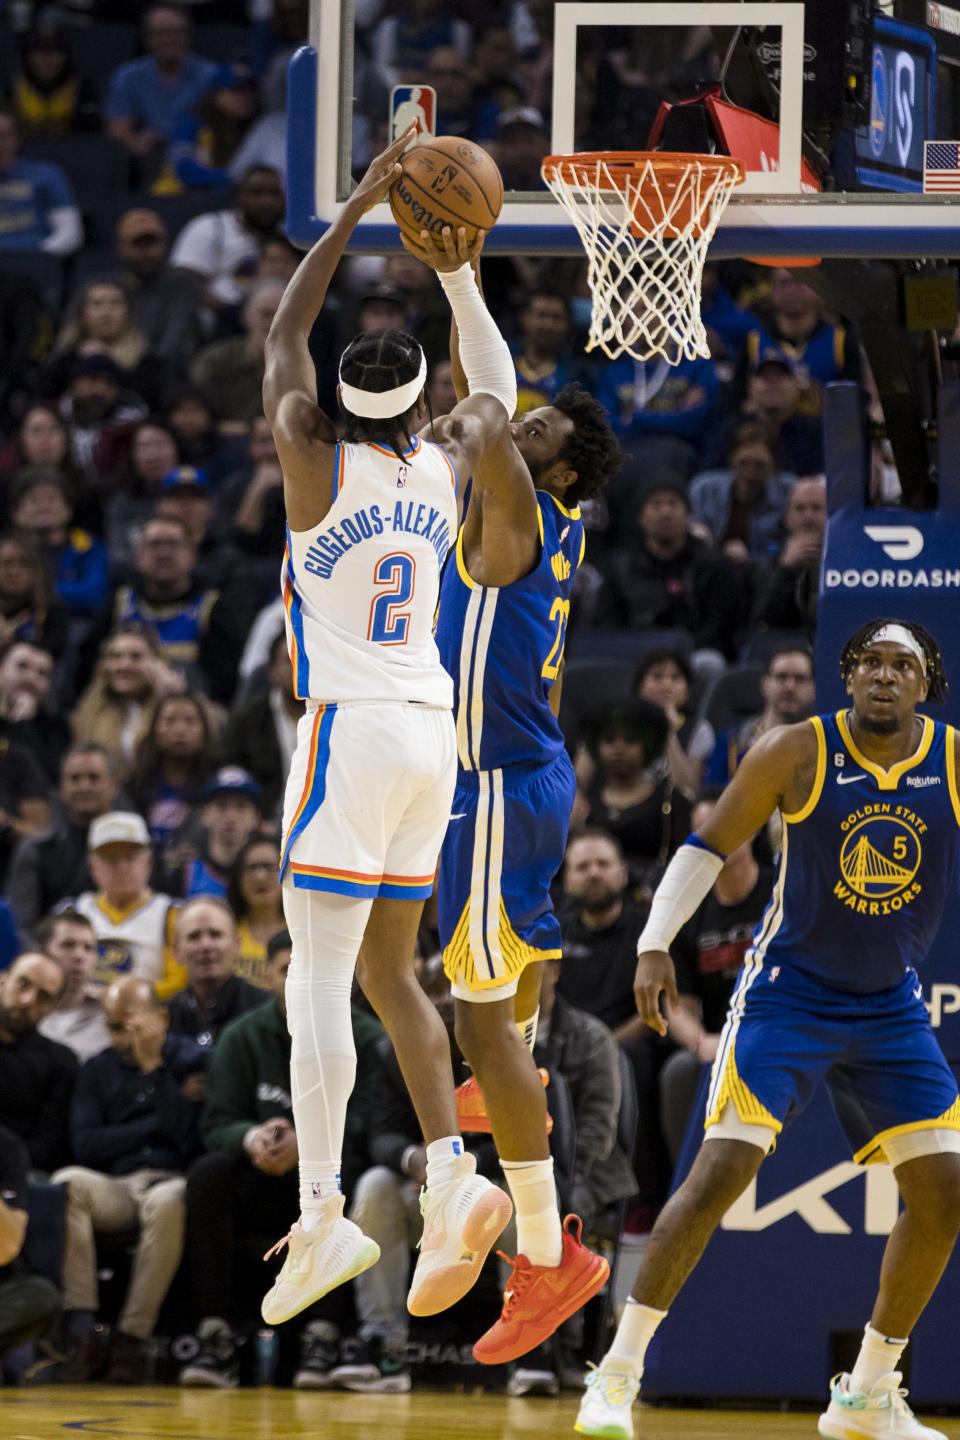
x,y
503,646
866,866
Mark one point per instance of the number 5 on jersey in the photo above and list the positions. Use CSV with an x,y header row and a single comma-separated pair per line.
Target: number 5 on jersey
x,y
389,622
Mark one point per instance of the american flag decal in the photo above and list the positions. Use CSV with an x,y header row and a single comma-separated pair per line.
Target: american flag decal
x,y
941,166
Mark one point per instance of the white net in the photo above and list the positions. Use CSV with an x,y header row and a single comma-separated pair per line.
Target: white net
x,y
646,222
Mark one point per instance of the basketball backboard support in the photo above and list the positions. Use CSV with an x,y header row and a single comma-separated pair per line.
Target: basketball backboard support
x,y
768,215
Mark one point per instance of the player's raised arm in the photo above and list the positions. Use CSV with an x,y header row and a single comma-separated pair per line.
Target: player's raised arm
x,y
779,770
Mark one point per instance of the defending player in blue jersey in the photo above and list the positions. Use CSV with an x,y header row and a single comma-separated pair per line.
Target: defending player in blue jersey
x,y
828,991
504,603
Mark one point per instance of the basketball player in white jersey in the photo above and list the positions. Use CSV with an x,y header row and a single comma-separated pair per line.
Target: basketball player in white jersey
x,y
370,521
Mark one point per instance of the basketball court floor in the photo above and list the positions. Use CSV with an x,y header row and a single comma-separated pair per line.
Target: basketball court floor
x,y
55,1412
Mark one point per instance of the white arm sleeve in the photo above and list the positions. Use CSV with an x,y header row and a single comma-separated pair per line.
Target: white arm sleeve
x,y
66,231
484,354
688,879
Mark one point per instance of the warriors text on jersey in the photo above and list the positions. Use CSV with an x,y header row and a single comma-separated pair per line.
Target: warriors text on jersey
x,y
360,589
866,865
504,646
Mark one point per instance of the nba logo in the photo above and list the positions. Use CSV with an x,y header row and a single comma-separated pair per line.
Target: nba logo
x,y
402,476
413,102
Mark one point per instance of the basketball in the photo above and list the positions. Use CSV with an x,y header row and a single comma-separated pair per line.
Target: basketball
x,y
446,181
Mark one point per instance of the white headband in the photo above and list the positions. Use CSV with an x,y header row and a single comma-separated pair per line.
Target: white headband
x,y
900,635
382,404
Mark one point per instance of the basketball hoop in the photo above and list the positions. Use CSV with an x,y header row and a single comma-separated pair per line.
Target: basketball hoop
x,y
646,220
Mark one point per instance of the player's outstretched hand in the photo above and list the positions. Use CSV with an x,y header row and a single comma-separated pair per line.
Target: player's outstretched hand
x,y
382,171
655,974
447,252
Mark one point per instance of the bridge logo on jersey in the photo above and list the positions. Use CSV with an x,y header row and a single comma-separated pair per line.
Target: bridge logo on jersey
x,y
879,858
114,958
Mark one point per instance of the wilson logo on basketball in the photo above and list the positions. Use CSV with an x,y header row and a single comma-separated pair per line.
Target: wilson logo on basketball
x,y
879,858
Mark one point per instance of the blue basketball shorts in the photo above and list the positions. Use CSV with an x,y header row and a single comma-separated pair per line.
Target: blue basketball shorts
x,y
503,847
786,1032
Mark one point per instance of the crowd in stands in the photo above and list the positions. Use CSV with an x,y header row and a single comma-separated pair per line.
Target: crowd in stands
x,y
147,713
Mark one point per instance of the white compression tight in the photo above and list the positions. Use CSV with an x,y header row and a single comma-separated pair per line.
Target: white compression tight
x,y
326,931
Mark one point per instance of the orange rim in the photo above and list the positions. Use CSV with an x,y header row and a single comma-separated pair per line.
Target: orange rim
x,y
669,164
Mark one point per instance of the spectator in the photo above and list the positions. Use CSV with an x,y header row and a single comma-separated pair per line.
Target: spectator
x,y
205,141
29,1304
261,733
662,412
522,142
146,97
49,866
787,589
134,926
25,331
795,325
496,70
117,706
163,300
99,321
708,953
100,414
10,945
77,1021
664,678
443,396
76,562
743,506
222,248
541,356
207,947
152,454
669,577
38,210
231,371
46,93
28,610
36,1074
24,809
772,406
193,421
788,692
134,1123
26,677
254,896
173,765
230,815
402,43
186,496
42,439
247,1184
201,632
251,502
460,111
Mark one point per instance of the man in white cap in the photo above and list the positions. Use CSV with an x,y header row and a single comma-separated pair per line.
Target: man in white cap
x,y
828,990
134,925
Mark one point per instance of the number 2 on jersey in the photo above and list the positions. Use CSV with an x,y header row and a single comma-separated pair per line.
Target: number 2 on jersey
x,y
560,612
389,622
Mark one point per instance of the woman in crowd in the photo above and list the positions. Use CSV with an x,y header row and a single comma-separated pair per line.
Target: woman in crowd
x,y
28,610
99,321
42,438
46,92
664,678
204,142
174,761
154,452
77,564
117,706
253,892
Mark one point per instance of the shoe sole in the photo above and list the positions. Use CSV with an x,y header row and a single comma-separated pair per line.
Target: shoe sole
x,y
832,1429
444,1286
586,1291
203,1380
367,1256
307,1380
606,1432
385,1385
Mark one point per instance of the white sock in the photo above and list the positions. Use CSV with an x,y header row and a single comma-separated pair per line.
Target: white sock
x,y
326,931
441,1160
637,1327
528,1029
534,1192
879,1354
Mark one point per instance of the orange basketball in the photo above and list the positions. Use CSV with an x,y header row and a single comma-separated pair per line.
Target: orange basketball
x,y
446,181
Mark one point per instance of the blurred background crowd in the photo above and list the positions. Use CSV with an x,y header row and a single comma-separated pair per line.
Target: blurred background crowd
x,y
147,718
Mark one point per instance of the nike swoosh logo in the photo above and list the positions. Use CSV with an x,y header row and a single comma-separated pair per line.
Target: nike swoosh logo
x,y
462,816
849,779
918,993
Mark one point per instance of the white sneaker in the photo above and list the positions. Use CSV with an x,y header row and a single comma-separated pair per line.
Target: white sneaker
x,y
317,1261
531,1381
461,1221
884,1411
605,1407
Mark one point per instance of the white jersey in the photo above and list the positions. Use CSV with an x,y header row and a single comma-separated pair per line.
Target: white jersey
x,y
360,589
134,941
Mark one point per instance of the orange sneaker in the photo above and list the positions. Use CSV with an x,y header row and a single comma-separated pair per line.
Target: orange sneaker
x,y
538,1298
472,1108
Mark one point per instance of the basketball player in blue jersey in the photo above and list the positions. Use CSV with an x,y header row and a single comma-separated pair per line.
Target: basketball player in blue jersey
x,y
504,603
828,990
369,795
